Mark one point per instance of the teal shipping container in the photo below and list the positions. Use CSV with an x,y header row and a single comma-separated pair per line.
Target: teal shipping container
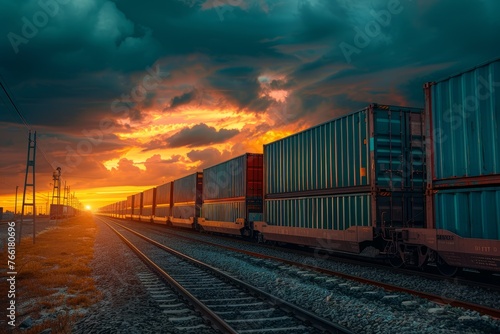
x,y
339,212
224,211
236,178
469,212
463,125
380,147
233,189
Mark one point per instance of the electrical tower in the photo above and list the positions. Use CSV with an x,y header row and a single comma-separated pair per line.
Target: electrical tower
x,y
30,164
56,193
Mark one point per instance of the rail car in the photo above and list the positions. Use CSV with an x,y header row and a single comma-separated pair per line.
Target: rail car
x,y
62,211
413,186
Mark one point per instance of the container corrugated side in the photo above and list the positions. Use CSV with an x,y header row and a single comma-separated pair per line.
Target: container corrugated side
x,y
163,193
163,200
186,189
130,201
184,211
137,201
339,212
130,206
464,123
148,196
224,211
123,209
337,154
225,180
469,212
331,212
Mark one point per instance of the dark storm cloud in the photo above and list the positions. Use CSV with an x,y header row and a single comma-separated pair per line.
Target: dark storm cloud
x,y
183,99
200,135
240,86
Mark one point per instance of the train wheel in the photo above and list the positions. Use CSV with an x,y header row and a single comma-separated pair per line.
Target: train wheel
x,y
444,268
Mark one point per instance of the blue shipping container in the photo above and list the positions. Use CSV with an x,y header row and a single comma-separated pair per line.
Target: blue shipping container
x,y
339,212
469,212
463,122
379,147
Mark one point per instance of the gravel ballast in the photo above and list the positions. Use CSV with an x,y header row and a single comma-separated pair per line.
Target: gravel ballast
x,y
361,308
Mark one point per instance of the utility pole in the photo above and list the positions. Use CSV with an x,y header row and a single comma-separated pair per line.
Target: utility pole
x,y
30,162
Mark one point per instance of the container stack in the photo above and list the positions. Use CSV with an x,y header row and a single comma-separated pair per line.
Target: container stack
x,y
463,173
163,203
136,213
338,180
186,200
129,210
148,204
121,210
232,197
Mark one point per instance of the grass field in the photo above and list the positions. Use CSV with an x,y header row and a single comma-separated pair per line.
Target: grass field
x,y
54,281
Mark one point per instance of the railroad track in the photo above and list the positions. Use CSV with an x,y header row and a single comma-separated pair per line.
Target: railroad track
x,y
231,305
438,299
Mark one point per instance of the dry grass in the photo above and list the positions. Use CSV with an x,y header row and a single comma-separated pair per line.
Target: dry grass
x,y
54,275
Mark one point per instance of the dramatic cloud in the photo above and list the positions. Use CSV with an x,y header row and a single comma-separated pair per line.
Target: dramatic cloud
x,y
133,94
182,99
200,135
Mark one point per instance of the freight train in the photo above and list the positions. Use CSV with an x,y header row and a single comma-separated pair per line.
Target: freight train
x,y
414,186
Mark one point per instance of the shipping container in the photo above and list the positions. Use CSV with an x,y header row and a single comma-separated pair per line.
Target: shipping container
x,y
469,212
340,212
188,188
224,211
148,204
463,126
232,196
186,200
56,211
377,148
163,202
137,206
129,211
61,211
238,177
124,209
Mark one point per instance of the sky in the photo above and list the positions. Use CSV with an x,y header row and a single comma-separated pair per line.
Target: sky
x,y
126,95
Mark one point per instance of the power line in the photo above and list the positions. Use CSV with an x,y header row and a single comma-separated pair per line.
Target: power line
x,y
25,122
14,105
